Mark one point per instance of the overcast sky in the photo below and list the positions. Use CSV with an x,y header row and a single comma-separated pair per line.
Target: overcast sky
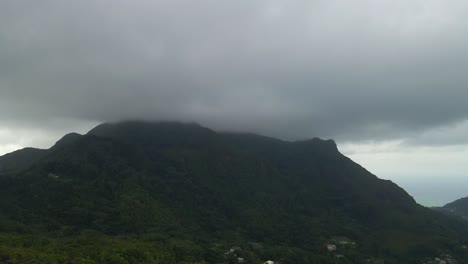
x,y
386,78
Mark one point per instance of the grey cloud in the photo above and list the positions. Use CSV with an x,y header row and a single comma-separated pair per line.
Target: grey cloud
x,y
453,135
356,70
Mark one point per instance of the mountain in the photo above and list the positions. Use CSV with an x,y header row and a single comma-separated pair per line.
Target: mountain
x,y
24,158
456,208
168,192
19,159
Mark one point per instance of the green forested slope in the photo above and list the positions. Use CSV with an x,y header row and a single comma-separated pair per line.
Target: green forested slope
x,y
184,193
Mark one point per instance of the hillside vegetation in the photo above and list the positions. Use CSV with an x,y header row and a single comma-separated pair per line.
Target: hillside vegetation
x,y
136,192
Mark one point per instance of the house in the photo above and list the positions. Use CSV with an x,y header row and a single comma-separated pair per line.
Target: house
x,y
331,247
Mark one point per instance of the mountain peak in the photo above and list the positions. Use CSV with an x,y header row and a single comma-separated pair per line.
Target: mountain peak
x,y
67,139
319,141
132,125
321,146
154,133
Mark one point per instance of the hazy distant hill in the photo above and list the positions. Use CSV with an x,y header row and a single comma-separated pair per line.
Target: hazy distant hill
x,y
181,193
456,208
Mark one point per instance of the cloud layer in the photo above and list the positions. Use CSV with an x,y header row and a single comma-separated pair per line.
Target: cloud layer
x,y
351,70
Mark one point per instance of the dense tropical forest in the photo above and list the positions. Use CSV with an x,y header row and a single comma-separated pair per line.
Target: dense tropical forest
x,y
167,192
